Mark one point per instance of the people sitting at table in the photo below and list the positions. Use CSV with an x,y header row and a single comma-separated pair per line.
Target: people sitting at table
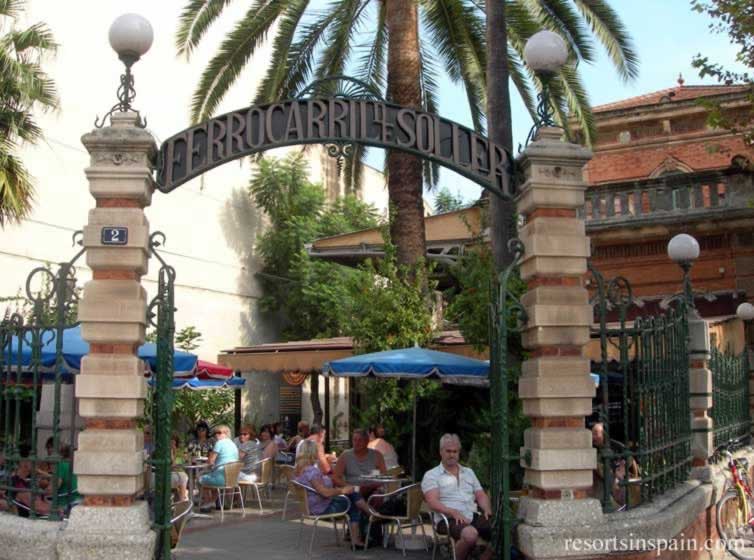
x,y
302,432
360,461
455,491
377,441
201,444
250,450
328,499
269,447
21,484
224,451
317,435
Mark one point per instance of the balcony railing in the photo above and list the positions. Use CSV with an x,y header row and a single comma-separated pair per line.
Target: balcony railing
x,y
685,197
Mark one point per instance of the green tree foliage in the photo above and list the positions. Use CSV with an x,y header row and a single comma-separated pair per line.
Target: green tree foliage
x,y
312,294
389,308
215,405
446,201
24,88
736,19
309,43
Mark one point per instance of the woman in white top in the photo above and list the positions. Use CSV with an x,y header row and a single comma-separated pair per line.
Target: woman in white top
x,y
378,443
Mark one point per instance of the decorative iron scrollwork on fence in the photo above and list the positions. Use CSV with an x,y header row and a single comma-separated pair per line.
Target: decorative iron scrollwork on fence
x,y
730,396
506,316
27,338
160,315
643,396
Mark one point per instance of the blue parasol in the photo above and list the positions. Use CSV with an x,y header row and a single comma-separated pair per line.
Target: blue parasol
x,y
75,348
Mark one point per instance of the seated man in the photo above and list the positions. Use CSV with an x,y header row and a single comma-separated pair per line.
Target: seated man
x,y
357,462
454,490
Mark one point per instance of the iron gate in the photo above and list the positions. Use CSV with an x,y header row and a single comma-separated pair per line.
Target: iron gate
x,y
506,318
647,421
160,315
32,366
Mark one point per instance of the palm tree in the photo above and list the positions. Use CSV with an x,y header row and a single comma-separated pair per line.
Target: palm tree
x,y
426,35
23,88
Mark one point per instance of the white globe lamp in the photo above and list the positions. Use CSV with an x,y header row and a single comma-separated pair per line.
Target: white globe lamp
x,y
683,248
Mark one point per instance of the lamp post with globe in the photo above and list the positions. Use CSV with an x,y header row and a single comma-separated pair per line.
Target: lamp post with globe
x,y
683,249
130,37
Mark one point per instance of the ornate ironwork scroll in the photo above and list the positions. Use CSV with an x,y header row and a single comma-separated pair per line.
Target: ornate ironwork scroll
x,y
47,310
730,396
506,316
160,315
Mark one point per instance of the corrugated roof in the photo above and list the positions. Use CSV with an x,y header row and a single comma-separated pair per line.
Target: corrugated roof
x,y
677,93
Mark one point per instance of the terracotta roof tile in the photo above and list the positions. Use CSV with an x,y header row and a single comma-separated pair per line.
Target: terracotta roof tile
x,y
678,93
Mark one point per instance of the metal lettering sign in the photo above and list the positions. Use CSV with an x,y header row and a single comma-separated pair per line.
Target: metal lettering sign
x,y
114,235
333,120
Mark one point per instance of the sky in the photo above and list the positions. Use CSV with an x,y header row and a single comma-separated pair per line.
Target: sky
x,y
667,35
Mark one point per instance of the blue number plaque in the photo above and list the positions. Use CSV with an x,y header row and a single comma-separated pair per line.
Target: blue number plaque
x,y
114,235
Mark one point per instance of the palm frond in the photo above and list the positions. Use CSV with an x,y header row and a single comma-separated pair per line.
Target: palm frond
x,y
611,32
371,67
560,16
195,20
16,190
458,36
521,79
571,100
301,55
37,38
224,68
271,87
347,20
428,77
11,8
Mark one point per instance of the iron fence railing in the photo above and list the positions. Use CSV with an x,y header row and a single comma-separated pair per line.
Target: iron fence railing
x,y
730,396
643,399
36,440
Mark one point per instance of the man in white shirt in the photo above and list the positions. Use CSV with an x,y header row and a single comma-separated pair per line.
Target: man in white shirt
x,y
454,490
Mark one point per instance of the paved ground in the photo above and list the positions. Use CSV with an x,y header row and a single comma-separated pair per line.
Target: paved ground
x,y
268,537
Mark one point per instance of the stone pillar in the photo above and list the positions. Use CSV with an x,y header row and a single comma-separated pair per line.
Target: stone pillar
x,y
110,388
555,387
700,390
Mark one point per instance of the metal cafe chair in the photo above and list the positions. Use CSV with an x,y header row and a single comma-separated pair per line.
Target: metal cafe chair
x,y
231,471
412,518
264,467
301,493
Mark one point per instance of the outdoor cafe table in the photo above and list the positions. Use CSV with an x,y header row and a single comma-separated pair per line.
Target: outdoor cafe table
x,y
192,469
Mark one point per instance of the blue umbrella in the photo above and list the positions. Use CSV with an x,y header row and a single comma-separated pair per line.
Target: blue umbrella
x,y
196,384
75,348
412,363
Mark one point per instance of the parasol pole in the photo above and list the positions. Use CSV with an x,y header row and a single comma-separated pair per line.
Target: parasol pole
x,y
413,438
